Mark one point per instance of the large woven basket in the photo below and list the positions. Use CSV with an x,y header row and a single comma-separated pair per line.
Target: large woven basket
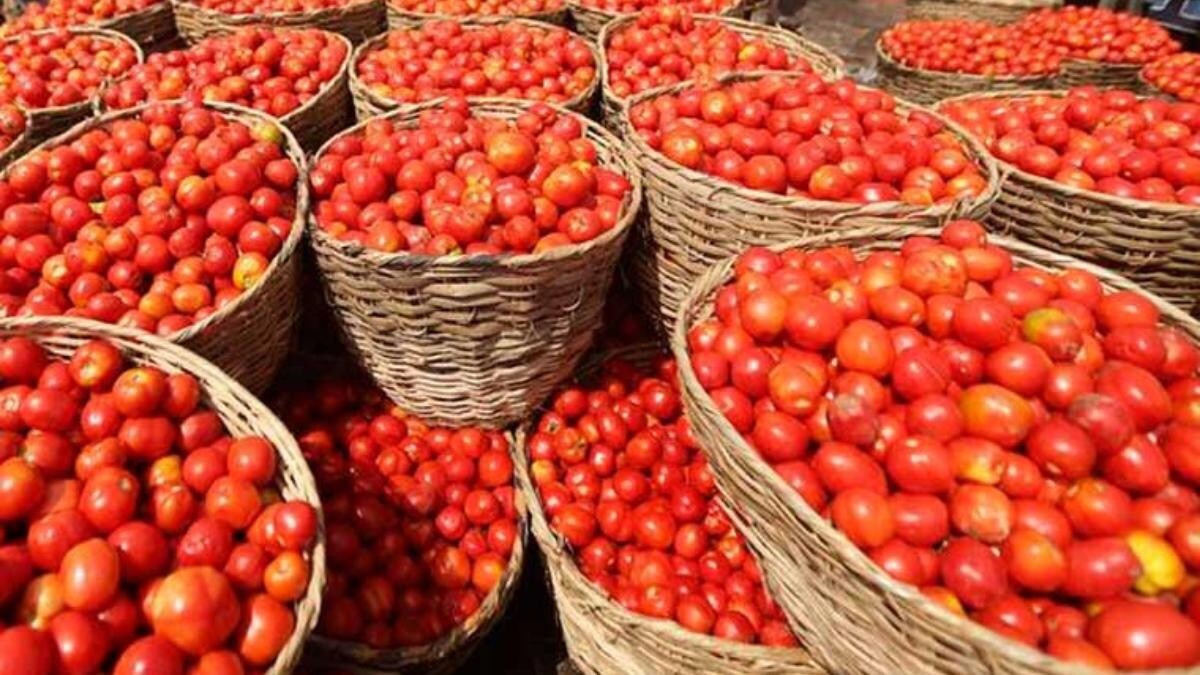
x,y
369,104
474,339
824,62
930,86
403,18
992,11
249,337
238,409
1083,73
356,20
589,21
853,616
1155,245
694,219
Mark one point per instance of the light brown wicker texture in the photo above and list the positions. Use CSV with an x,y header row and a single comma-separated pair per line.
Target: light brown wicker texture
x,y
695,219
368,104
589,21
242,414
152,28
249,337
930,86
357,20
1155,245
1082,73
992,11
402,18
824,62
853,616
474,339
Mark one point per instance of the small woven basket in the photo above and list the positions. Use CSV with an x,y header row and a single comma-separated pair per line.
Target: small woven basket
x,y
695,220
1083,73
403,18
589,21
824,62
241,413
1155,245
356,20
853,616
474,339
992,11
927,87
249,337
368,104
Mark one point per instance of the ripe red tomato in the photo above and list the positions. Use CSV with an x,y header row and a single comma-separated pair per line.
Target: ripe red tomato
x,y
1145,635
195,608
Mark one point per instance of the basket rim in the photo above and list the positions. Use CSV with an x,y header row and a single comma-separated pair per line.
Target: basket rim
x,y
89,103
346,7
468,24
715,185
1111,201
291,149
287,450
977,79
422,17
848,555
484,261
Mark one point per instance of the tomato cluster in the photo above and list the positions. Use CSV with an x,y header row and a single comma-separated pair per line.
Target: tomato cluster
x,y
1018,443
12,125
961,46
59,68
806,137
633,6
275,71
1105,141
63,13
1096,34
447,58
665,45
268,6
420,522
138,536
623,482
477,7
154,221
456,182
1178,75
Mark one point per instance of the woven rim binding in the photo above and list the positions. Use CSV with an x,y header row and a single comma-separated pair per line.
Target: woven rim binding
x,y
927,87
269,306
852,614
355,19
590,21
241,413
150,27
369,104
992,11
1084,72
402,18
824,62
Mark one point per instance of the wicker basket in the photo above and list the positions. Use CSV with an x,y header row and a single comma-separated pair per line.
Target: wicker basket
x,y
1155,245
589,21
824,62
152,28
474,339
402,18
695,219
368,104
930,86
852,614
992,11
1083,73
249,337
241,413
357,20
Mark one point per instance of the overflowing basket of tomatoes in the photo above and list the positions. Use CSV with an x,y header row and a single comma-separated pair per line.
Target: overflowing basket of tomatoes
x,y
356,20
414,13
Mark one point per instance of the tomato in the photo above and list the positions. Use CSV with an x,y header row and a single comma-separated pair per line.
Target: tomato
x,y
864,346
920,464
265,630
863,516
150,655
81,641
195,608
1100,568
1061,449
996,414
21,489
972,572
141,549
90,574
1138,635
1034,561
28,651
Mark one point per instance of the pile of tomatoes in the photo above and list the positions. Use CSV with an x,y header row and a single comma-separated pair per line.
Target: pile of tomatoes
x,y
805,137
138,536
59,68
477,7
63,13
1096,34
974,47
12,125
1106,141
634,6
457,182
447,58
1021,444
1178,75
268,6
272,70
154,221
420,522
622,480
666,45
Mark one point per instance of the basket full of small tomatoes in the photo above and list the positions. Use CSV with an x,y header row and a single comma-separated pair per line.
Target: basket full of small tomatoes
x,y
950,449
149,23
590,16
415,13
356,20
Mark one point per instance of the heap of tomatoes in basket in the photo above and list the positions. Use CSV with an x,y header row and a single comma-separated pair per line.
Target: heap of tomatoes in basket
x,y
1096,34
622,480
12,125
1022,444
666,45
420,522
268,6
138,535
1107,141
154,221
59,68
634,6
513,60
477,7
1177,75
458,181
63,13
272,70
805,137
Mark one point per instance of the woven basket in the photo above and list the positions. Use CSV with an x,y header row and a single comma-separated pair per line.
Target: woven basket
x,y
402,18
695,219
474,339
152,28
824,62
992,11
930,86
250,336
368,104
852,614
241,413
1155,245
356,20
1082,73
589,21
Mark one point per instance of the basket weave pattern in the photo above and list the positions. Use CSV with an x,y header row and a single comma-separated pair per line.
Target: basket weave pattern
x,y
854,617
927,87
356,20
152,28
991,11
